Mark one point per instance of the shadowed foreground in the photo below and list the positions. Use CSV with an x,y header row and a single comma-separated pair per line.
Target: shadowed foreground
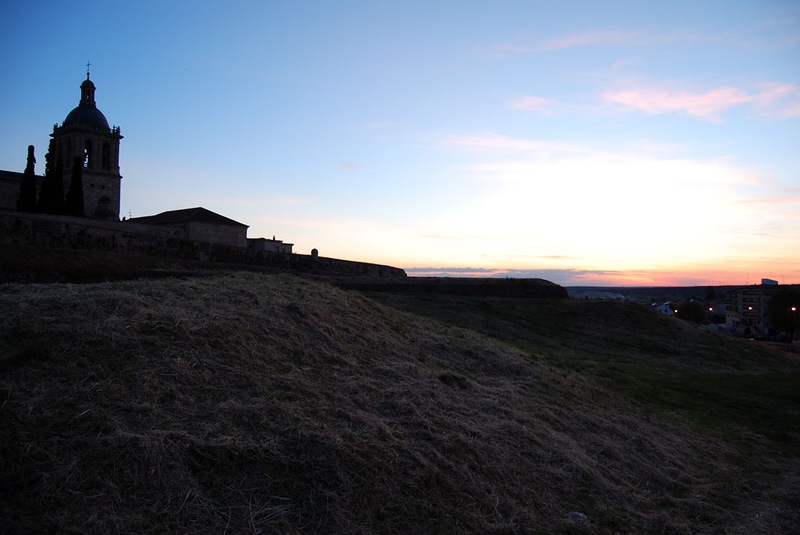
x,y
252,403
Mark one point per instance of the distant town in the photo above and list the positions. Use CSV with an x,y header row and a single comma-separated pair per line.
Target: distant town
x,y
749,311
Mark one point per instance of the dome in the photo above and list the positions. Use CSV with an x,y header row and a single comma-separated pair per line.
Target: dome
x,y
87,114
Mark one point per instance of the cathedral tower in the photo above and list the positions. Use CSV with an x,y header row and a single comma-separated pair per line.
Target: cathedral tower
x,y
85,134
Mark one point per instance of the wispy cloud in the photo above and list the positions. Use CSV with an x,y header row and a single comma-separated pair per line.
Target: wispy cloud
x,y
781,196
537,149
255,201
454,272
639,38
531,103
604,37
779,100
542,193
565,276
454,237
497,143
776,100
699,275
559,275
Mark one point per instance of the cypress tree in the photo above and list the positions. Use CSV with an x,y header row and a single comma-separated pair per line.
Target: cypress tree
x,y
51,198
27,190
74,202
42,205
58,188
48,158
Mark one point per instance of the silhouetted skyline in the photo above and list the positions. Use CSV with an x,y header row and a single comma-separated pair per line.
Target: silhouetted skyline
x,y
587,144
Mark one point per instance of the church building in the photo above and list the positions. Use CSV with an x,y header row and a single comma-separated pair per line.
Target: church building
x,y
86,135
86,141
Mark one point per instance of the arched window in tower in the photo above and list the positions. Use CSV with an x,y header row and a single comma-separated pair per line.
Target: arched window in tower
x,y
88,160
106,156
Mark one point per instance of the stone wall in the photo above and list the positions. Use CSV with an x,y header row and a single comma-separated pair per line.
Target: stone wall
x,y
468,287
100,193
63,232
10,182
48,230
230,235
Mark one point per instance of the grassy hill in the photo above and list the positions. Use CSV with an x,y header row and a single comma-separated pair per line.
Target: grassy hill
x,y
246,403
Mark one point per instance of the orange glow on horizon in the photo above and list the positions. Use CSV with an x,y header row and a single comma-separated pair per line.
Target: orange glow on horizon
x,y
599,277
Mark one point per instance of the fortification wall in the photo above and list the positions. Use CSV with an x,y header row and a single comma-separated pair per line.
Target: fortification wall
x,y
71,233
469,287
46,230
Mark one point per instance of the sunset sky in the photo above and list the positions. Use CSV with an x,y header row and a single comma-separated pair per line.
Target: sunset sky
x,y
588,143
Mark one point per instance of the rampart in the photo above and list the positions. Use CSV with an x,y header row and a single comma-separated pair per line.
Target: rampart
x,y
70,233
468,287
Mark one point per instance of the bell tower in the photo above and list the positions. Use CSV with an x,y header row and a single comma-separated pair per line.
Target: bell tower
x,y
85,134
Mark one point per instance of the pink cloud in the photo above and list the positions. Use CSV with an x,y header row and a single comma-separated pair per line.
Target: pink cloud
x,y
704,105
792,110
596,38
779,100
774,100
530,103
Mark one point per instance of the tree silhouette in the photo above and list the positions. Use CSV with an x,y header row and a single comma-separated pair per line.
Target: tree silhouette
x,y
51,197
58,188
692,310
780,312
27,190
48,158
74,202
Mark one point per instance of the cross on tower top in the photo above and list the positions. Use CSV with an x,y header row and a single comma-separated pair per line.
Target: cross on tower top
x,y
87,69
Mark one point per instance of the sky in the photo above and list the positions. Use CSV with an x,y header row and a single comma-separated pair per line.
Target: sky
x,y
587,143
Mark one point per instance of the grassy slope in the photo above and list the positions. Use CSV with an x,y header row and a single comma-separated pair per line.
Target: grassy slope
x,y
245,403
727,386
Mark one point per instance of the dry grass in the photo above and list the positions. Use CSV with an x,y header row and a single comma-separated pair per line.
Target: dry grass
x,y
246,403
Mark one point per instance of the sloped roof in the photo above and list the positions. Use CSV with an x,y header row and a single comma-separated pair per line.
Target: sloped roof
x,y
187,215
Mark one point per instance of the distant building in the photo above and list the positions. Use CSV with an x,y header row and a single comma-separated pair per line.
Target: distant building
x,y
750,311
266,245
200,225
746,309
666,309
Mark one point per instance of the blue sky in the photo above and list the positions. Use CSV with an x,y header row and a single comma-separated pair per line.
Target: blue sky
x,y
584,142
